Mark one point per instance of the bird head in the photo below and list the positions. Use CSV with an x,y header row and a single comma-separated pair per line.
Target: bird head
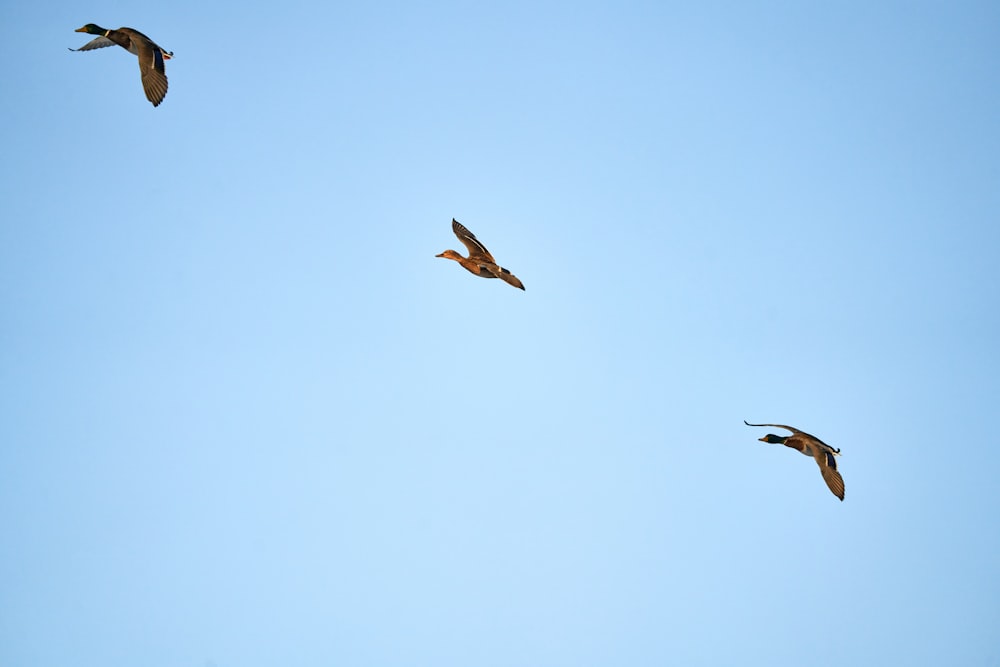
x,y
92,28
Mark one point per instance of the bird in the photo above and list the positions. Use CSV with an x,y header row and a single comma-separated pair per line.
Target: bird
x,y
812,446
479,261
151,56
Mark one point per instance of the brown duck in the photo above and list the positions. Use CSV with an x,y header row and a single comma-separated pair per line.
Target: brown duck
x,y
151,56
479,261
812,446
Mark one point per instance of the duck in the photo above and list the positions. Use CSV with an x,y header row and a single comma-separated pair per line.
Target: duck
x,y
479,261
151,56
812,446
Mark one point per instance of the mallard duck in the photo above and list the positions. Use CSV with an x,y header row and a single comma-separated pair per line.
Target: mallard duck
x,y
151,56
479,261
812,446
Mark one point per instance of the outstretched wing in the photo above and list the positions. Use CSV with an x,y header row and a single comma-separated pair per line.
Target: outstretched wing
x,y
509,278
476,249
98,43
828,467
154,76
787,428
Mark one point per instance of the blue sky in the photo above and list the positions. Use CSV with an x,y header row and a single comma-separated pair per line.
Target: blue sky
x,y
248,418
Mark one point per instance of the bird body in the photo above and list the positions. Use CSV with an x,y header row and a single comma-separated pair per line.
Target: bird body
x,y
480,261
812,446
151,56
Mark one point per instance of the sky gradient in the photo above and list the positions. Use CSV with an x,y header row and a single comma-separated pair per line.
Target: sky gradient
x,y
248,418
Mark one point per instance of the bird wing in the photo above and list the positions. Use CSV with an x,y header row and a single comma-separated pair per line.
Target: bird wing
x,y
509,278
828,467
154,75
477,251
787,428
97,43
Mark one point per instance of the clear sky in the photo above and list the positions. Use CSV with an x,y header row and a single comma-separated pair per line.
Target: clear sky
x,y
247,417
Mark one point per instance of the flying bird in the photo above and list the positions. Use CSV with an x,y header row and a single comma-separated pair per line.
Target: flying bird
x,y
151,56
812,446
479,261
